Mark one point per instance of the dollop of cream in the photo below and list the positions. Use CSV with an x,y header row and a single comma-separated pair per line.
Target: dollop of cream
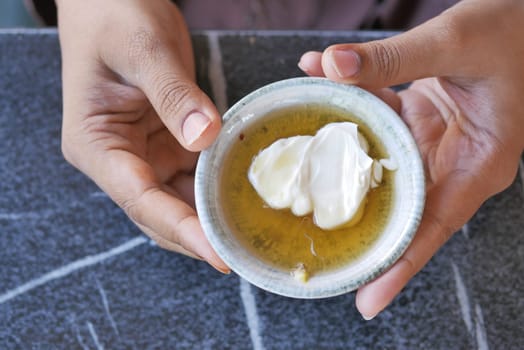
x,y
328,174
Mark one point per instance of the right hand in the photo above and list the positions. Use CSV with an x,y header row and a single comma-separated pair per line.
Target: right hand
x,y
133,115
464,110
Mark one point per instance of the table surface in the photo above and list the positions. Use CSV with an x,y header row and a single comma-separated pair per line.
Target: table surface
x,y
76,274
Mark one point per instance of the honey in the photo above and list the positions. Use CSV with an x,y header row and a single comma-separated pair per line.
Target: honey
x,y
278,237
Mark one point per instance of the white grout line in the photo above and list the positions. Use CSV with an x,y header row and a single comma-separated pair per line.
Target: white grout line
x,y
250,308
97,194
70,268
94,336
463,299
106,307
26,215
81,341
216,75
465,230
79,337
479,332
41,214
482,339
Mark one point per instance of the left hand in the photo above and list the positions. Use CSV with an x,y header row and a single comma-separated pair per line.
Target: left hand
x,y
466,116
134,117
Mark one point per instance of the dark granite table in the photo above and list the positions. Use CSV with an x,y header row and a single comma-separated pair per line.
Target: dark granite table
x,y
76,274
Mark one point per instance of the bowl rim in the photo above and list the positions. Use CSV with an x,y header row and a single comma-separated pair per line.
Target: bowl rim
x,y
209,225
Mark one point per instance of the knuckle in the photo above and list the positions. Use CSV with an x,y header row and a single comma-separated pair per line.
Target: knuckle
x,y
171,246
173,92
160,241
132,206
410,264
170,236
176,235
386,58
173,235
129,206
442,231
163,243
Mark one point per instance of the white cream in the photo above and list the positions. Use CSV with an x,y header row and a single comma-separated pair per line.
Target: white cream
x,y
328,174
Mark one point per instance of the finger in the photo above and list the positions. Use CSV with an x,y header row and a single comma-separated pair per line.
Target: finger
x,y
133,185
167,157
372,298
186,111
184,186
310,63
439,222
167,245
390,97
174,221
425,123
160,67
431,49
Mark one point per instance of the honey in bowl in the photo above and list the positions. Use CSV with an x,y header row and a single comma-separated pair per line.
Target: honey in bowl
x,y
278,237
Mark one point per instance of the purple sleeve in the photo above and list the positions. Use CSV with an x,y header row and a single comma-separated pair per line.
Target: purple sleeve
x,y
290,14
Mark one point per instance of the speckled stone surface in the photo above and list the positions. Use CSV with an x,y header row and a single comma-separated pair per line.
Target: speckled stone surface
x,y
76,274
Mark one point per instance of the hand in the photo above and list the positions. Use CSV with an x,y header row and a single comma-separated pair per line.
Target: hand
x,y
133,115
466,116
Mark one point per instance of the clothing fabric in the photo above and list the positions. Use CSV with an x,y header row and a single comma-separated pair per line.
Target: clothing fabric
x,y
310,14
292,14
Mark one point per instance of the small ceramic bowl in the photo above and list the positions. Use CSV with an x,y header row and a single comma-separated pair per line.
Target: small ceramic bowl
x,y
408,182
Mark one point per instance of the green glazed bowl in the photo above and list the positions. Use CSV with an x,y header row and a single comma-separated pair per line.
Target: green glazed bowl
x,y
409,187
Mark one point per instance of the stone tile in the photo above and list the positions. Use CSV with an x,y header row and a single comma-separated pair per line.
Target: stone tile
x,y
492,265
201,52
426,304
251,61
155,300
51,215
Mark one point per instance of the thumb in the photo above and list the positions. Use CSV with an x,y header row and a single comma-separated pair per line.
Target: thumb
x,y
163,69
419,53
184,109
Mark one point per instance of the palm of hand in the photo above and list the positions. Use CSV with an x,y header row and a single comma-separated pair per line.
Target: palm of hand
x,y
457,152
461,164
129,141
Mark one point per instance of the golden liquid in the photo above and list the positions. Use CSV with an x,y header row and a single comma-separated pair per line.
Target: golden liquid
x,y
278,237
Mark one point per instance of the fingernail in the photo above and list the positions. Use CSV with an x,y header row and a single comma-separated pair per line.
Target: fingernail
x,y
368,318
194,125
225,271
302,66
345,62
